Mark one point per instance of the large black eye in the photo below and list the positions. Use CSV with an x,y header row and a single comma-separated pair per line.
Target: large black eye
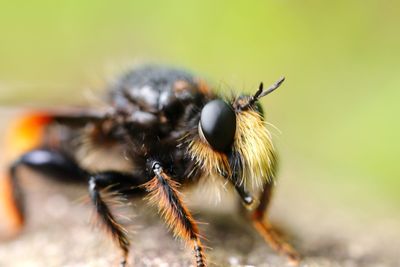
x,y
218,124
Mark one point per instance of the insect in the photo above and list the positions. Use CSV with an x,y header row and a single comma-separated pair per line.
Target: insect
x,y
163,129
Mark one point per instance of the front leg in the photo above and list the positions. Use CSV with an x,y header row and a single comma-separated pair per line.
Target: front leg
x,y
163,192
266,230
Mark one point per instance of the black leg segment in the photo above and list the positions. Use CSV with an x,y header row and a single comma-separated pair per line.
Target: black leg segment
x,y
51,163
114,182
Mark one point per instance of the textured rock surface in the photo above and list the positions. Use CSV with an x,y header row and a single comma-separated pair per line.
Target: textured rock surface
x,y
59,234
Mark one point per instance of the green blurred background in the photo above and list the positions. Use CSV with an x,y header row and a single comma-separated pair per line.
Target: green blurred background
x,y
338,110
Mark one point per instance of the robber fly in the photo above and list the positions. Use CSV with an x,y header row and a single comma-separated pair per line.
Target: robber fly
x,y
166,129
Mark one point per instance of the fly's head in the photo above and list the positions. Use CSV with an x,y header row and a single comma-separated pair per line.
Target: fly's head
x,y
233,142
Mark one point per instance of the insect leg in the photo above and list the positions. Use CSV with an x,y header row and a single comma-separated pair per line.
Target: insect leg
x,y
51,163
116,182
266,230
247,199
163,192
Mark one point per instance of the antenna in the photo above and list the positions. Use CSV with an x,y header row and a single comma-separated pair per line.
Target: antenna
x,y
261,93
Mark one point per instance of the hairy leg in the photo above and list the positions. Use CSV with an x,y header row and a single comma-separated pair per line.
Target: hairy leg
x,y
113,182
163,192
58,166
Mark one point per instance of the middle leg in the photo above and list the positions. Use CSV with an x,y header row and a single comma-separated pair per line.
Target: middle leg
x,y
120,183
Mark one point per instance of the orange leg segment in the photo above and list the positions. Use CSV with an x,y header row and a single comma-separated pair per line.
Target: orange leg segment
x,y
266,230
13,219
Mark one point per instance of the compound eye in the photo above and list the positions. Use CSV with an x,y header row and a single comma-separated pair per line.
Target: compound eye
x,y
218,124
